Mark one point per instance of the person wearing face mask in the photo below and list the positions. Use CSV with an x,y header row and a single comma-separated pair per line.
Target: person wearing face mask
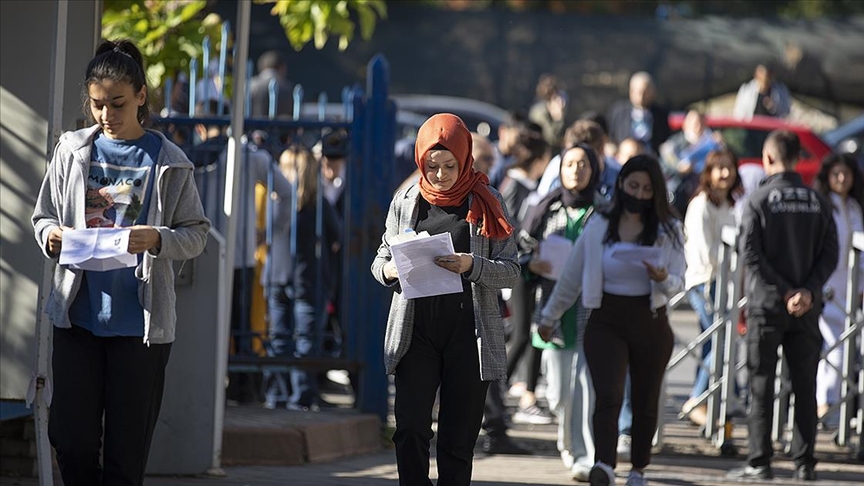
x,y
626,265
452,342
564,212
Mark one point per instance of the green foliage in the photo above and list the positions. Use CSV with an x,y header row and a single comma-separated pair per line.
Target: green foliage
x,y
317,20
171,32
168,32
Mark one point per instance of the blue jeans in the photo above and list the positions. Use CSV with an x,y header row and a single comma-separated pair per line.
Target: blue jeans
x,y
704,310
295,330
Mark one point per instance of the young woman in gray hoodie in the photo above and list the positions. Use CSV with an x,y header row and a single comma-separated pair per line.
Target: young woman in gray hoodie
x,y
113,330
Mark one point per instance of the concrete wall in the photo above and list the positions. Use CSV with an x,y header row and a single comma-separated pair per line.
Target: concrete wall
x,y
26,39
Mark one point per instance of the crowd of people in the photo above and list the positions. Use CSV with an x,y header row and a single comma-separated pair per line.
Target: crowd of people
x,y
593,327
564,241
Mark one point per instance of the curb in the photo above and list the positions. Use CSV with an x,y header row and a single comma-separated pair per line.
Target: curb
x,y
319,437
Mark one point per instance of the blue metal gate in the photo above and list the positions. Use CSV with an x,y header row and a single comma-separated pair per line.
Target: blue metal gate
x,y
368,119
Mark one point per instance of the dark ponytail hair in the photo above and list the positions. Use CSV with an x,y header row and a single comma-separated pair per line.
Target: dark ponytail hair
x,y
118,61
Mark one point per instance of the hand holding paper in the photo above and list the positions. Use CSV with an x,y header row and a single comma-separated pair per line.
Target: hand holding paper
x,y
419,274
456,263
97,249
555,250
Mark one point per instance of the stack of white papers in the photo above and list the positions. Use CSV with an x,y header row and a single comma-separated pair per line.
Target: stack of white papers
x,y
555,249
414,256
637,254
97,249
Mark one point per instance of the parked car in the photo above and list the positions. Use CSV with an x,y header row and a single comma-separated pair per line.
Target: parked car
x,y
746,138
848,139
481,117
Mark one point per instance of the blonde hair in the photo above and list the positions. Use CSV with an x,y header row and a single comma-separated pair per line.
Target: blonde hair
x,y
300,167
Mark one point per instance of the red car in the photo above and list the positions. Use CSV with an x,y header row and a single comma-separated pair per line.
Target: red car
x,y
746,138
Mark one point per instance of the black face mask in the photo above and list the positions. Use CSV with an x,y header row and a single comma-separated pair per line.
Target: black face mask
x,y
635,205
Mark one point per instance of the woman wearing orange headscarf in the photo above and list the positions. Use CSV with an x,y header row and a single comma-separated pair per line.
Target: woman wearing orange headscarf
x,y
453,341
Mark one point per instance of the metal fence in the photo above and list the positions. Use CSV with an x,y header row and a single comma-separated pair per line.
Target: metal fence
x,y
725,366
367,120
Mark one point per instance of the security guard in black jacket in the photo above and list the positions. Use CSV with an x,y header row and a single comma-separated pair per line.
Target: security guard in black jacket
x,y
788,245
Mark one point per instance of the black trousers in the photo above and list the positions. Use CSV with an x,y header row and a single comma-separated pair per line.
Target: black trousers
x,y
802,344
119,378
623,333
443,354
494,410
522,311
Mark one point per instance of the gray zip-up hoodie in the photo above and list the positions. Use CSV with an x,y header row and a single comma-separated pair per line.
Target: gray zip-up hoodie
x,y
175,211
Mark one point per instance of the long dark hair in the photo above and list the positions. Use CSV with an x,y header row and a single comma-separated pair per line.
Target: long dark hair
x,y
829,161
712,160
660,214
118,61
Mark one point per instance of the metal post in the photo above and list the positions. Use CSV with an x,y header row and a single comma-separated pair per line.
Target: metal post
x,y
781,399
371,191
720,300
43,325
729,236
232,191
846,407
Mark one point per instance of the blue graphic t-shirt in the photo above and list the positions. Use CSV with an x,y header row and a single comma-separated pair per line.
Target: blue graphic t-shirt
x,y
119,184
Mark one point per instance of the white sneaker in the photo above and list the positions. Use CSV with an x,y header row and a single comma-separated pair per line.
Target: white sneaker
x,y
601,475
581,472
636,479
567,459
533,415
625,445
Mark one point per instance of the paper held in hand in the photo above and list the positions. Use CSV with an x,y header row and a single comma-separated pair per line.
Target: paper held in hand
x,y
419,276
555,249
637,254
97,249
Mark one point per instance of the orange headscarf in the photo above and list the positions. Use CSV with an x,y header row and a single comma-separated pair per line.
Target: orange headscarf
x,y
450,131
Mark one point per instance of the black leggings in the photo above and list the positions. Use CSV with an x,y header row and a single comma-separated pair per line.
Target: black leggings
x,y
625,332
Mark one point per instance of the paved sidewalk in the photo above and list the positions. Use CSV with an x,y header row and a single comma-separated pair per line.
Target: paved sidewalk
x,y
684,459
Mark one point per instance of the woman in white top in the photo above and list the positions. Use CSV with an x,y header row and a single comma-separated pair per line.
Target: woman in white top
x,y
841,180
711,208
627,264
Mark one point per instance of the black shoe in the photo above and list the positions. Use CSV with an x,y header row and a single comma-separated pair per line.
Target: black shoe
x,y
503,445
805,472
751,472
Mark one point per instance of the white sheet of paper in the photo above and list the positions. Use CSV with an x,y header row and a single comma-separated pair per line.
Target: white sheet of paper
x,y
638,254
418,274
97,249
555,249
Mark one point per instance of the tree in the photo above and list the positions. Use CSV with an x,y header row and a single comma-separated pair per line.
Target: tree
x,y
305,20
171,32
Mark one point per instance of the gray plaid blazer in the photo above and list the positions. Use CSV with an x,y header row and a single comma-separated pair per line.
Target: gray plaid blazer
x,y
495,268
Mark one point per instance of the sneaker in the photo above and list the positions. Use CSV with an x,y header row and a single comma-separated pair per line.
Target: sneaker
x,y
533,415
751,472
601,475
625,445
581,472
636,479
503,445
805,472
